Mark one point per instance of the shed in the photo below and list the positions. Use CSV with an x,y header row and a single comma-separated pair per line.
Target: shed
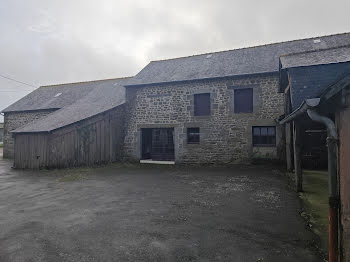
x,y
38,104
332,108
87,132
306,75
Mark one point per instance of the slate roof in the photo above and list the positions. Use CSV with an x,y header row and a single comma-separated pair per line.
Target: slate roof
x,y
321,99
103,96
47,97
320,57
310,81
244,61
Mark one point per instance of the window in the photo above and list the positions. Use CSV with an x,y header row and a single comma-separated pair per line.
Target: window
x,y
264,136
193,135
243,100
156,135
202,104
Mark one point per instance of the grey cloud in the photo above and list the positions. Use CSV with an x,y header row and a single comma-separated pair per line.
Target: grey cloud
x,y
57,41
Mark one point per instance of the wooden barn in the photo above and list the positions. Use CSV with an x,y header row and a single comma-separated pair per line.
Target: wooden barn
x,y
89,131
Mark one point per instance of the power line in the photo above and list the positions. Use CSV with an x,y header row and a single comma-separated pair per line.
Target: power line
x,y
20,90
23,83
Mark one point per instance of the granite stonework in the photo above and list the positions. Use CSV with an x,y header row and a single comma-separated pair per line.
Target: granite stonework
x,y
225,136
14,120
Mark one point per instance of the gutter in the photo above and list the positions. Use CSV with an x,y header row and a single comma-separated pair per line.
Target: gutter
x,y
309,106
332,140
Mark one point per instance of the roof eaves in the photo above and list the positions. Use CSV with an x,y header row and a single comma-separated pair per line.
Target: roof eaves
x,y
28,132
320,64
30,110
201,79
86,82
55,129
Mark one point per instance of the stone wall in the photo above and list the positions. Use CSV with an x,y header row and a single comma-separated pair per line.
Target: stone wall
x,y
14,120
225,136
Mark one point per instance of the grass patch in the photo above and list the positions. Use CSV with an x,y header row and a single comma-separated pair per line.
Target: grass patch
x,y
137,165
75,174
315,202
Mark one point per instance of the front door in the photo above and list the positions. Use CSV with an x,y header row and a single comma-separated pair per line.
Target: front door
x,y
158,144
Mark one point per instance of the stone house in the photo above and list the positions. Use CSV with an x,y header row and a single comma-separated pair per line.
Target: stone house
x,y
213,108
218,132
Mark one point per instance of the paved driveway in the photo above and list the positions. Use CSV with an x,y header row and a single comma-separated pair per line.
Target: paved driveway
x,y
133,213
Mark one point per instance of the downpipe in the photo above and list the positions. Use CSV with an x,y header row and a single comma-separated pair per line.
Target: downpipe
x,y
332,140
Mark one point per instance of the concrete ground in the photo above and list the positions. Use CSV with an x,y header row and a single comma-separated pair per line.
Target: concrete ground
x,y
142,213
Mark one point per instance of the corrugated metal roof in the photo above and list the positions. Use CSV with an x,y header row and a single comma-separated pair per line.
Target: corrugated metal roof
x,y
320,57
245,61
103,96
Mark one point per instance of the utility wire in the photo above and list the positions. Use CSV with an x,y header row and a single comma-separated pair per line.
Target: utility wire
x,y
20,90
23,83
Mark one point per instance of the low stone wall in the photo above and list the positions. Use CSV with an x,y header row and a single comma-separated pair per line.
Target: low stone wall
x,y
14,120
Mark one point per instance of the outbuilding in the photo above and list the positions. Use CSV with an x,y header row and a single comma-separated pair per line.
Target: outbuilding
x,y
89,131
324,103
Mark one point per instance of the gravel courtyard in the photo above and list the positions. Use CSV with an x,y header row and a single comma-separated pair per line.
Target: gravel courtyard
x,y
157,213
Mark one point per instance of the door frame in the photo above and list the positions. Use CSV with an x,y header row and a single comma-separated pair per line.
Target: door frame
x,y
142,146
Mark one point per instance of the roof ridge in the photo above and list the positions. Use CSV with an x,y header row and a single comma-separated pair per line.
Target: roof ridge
x,y
251,47
314,51
91,81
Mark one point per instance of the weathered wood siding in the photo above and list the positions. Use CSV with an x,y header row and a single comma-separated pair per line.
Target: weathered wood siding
x,y
94,141
30,151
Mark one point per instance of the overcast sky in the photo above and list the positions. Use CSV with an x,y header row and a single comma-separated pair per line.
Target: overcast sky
x,y
56,41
